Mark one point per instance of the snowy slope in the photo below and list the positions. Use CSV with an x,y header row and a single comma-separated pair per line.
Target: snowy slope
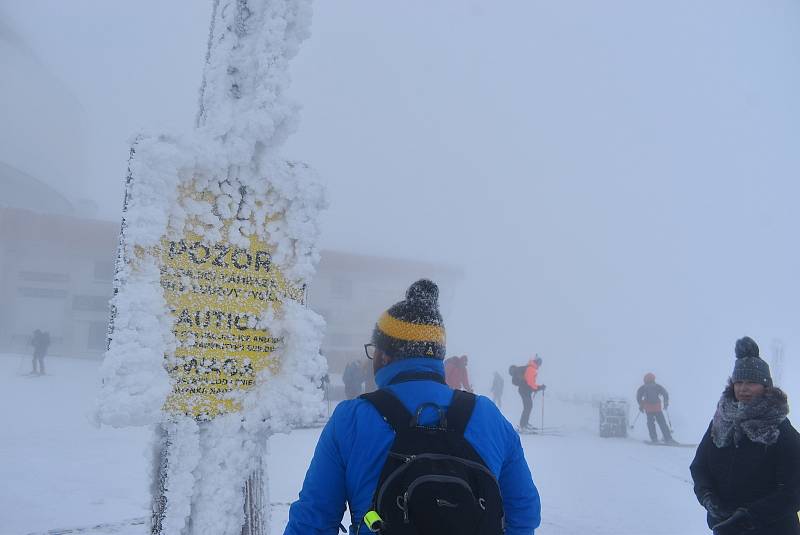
x,y
61,473
57,469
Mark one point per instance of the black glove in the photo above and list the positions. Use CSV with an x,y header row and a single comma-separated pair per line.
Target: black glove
x,y
715,510
541,388
739,523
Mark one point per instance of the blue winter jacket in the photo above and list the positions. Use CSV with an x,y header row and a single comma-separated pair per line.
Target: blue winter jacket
x,y
354,444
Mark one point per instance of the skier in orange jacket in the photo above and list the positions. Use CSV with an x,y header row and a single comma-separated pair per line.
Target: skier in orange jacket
x,y
649,397
526,390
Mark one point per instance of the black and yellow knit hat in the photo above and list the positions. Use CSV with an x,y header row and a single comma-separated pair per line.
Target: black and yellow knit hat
x,y
414,327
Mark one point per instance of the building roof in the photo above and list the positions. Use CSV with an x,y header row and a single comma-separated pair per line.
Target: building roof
x,y
24,225
44,128
354,262
20,190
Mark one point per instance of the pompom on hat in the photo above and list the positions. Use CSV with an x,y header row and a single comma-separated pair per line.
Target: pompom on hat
x,y
749,365
413,327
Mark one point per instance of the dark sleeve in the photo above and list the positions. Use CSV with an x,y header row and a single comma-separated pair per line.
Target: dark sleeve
x,y
640,395
785,499
701,475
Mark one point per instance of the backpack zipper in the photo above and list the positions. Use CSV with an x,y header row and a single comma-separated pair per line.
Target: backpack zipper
x,y
427,479
408,459
439,457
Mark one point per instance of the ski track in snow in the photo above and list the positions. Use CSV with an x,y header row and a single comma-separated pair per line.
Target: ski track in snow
x,y
63,476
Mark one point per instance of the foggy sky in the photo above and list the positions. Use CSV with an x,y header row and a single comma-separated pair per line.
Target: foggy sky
x,y
617,180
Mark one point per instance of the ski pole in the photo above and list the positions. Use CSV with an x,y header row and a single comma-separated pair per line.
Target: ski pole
x,y
669,421
542,409
328,397
636,419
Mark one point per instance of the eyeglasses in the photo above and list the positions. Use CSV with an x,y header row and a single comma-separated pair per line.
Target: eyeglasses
x,y
370,349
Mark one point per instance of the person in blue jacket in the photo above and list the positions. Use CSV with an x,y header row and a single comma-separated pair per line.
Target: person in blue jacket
x,y
409,338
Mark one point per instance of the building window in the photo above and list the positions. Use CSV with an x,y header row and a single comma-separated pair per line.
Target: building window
x,y
103,270
44,293
90,302
43,276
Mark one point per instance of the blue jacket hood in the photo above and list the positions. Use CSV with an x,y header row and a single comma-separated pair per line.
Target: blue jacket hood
x,y
417,364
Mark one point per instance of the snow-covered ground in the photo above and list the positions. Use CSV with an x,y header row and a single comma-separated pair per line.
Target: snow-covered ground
x,y
59,472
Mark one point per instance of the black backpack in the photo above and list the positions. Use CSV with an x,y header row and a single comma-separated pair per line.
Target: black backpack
x,y
517,374
433,482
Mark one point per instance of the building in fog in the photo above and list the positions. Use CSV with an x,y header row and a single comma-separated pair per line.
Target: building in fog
x,y
57,260
43,131
350,291
56,271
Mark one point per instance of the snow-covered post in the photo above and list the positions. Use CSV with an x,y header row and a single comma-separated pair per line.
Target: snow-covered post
x,y
210,338
777,361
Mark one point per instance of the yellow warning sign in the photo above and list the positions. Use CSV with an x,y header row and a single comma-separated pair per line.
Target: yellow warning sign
x,y
216,293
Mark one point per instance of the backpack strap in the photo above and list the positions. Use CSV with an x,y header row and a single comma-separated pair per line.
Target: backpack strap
x,y
390,408
405,377
460,411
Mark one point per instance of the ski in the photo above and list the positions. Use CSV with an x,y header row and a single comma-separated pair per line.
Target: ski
x,y
542,432
670,444
548,428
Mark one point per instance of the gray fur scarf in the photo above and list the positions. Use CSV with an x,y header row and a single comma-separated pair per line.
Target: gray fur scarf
x,y
759,419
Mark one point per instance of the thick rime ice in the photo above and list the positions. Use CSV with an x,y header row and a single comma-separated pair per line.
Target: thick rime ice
x,y
182,457
135,383
283,401
242,98
233,159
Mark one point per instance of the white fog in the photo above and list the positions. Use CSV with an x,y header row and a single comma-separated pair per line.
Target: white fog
x,y
611,186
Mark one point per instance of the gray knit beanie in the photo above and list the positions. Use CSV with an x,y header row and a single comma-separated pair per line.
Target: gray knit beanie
x,y
749,366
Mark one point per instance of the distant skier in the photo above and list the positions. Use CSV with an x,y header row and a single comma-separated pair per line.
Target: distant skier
x,y
649,398
324,382
525,377
353,379
369,377
455,373
497,389
40,342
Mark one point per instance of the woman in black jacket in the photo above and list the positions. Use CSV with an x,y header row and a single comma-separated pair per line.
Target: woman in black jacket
x,y
746,470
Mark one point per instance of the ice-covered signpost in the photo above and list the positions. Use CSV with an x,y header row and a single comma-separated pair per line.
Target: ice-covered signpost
x,y
210,340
